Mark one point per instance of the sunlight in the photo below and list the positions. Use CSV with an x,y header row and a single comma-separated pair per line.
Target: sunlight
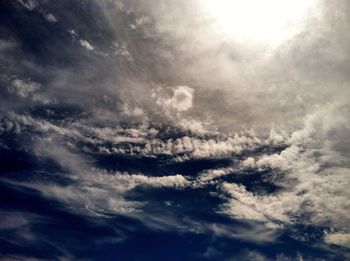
x,y
270,21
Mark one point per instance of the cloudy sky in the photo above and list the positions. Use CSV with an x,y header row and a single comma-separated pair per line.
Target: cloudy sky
x,y
174,130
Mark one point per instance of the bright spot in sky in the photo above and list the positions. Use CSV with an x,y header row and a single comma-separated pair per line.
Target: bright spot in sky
x,y
266,21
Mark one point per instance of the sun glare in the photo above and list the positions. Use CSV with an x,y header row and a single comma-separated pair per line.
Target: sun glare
x,y
270,21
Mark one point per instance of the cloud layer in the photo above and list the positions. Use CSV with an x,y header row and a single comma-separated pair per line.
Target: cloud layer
x,y
137,118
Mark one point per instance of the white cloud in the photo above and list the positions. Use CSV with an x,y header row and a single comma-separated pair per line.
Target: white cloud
x,y
314,175
95,191
251,232
19,224
192,148
133,111
76,130
175,99
277,137
256,256
313,169
208,176
182,98
187,147
88,199
121,49
98,192
28,89
6,45
24,121
339,238
13,220
86,45
270,209
125,181
73,33
140,21
193,125
22,88
248,163
32,5
29,4
50,18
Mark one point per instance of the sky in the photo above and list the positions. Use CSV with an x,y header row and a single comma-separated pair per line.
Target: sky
x,y
174,130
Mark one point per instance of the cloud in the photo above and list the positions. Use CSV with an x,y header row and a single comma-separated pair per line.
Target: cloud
x,y
93,191
32,5
247,255
22,88
98,192
229,100
140,21
167,87
175,181
251,232
50,18
182,99
29,4
187,148
339,238
19,225
142,141
13,220
271,209
254,255
122,50
248,163
28,89
306,185
125,181
313,176
89,200
213,176
86,45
